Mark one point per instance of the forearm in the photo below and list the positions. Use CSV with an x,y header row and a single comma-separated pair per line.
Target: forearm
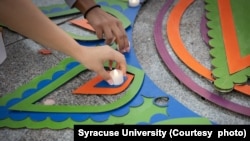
x,y
25,18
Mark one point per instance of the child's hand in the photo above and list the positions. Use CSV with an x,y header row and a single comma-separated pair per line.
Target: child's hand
x,y
95,57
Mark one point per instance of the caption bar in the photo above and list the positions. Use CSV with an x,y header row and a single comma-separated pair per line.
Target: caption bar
x,y
163,131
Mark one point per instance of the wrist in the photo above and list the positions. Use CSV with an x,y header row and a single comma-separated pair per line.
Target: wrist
x,y
91,9
84,5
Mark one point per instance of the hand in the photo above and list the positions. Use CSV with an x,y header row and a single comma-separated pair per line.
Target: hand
x,y
50,35
94,58
108,27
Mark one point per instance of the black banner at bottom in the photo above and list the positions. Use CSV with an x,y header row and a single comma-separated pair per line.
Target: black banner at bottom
x,y
162,132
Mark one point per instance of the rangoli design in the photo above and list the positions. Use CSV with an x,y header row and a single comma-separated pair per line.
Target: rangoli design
x,y
139,104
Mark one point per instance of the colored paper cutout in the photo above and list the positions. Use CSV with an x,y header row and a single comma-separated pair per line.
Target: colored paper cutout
x,y
166,57
125,22
27,104
83,23
224,81
177,44
91,88
229,30
244,88
147,109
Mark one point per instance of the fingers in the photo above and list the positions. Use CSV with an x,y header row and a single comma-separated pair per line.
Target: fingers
x,y
112,56
106,76
113,34
121,63
108,36
99,33
109,28
119,66
121,38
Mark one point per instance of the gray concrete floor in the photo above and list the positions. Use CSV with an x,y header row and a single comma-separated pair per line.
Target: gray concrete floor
x,y
24,63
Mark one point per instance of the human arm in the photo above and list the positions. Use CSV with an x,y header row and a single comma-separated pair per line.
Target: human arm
x,y
29,21
104,24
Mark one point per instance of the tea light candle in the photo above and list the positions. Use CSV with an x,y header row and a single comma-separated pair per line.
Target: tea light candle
x,y
117,76
133,3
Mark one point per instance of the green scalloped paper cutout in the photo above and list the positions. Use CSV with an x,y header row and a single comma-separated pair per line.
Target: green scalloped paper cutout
x,y
33,83
61,13
224,81
141,113
125,22
147,109
27,104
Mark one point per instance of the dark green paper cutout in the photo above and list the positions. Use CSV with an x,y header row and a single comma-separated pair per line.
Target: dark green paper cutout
x,y
125,22
27,104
